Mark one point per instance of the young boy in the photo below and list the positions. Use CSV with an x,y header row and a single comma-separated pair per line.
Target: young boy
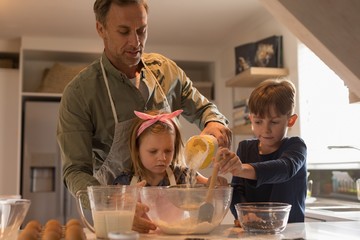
x,y
271,167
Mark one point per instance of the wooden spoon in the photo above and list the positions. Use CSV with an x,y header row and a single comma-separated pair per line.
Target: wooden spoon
x,y
206,210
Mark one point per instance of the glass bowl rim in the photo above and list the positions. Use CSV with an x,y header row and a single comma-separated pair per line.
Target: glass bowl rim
x,y
263,206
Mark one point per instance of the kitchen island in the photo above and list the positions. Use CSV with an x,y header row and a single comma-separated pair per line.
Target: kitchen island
x,y
348,230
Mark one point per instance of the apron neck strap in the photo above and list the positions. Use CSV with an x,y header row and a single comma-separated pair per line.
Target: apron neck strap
x,y
108,90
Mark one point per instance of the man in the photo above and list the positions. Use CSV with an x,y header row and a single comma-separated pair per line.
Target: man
x,y
97,107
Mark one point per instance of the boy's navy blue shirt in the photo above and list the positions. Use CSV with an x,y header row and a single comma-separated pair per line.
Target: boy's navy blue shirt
x,y
281,176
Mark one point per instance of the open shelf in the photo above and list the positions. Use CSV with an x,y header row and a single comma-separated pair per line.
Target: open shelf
x,y
242,129
254,75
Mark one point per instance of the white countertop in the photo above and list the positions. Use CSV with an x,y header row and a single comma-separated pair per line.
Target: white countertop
x,y
295,231
333,210
313,230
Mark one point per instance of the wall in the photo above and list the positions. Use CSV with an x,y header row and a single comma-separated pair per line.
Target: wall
x,y
330,28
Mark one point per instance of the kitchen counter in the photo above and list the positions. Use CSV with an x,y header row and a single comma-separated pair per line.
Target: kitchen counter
x,y
324,209
295,231
314,230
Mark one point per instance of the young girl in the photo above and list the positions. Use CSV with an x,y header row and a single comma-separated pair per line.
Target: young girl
x,y
270,167
156,151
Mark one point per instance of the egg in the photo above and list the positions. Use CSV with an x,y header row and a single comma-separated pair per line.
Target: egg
x,y
53,222
32,231
33,225
74,233
74,226
72,222
28,234
53,229
51,235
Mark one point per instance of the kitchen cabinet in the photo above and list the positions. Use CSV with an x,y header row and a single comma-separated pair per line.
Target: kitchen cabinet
x,y
202,75
250,78
9,60
35,63
41,177
9,132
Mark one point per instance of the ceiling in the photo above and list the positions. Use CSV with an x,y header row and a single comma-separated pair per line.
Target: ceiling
x,y
185,22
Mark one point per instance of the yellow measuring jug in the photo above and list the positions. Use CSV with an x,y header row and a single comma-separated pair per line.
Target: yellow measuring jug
x,y
199,151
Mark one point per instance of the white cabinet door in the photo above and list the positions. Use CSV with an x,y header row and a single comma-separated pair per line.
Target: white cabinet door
x,y
9,131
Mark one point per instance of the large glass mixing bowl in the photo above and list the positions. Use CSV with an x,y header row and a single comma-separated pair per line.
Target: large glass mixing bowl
x,y
179,210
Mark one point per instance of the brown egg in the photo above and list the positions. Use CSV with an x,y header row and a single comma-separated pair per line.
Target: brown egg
x,y
72,227
33,225
28,235
73,222
74,233
53,228
51,235
33,231
53,222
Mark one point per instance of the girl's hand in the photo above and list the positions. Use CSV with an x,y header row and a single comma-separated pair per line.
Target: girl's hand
x,y
228,162
141,184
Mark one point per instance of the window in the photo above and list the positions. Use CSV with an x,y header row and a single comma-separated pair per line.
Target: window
x,y
326,117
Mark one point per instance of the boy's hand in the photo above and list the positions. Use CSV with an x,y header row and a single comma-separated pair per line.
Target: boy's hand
x,y
228,162
220,181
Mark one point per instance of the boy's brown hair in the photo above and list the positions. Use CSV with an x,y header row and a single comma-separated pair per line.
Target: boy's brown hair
x,y
277,93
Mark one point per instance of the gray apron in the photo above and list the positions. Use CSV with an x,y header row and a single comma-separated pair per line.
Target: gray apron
x,y
118,160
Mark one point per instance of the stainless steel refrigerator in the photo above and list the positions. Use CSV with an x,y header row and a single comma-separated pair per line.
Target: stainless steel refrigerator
x,y
41,165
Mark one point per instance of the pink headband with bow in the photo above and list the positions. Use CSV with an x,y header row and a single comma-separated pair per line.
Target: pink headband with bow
x,y
151,119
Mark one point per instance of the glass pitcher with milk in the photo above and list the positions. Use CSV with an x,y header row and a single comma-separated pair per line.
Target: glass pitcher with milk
x,y
112,208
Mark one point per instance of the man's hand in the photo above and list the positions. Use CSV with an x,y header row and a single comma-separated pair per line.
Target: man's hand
x,y
142,223
222,133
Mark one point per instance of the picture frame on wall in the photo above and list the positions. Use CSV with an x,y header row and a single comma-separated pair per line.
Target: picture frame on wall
x,y
266,52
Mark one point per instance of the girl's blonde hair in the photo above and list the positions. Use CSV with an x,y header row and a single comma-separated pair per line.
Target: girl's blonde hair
x,y
157,127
